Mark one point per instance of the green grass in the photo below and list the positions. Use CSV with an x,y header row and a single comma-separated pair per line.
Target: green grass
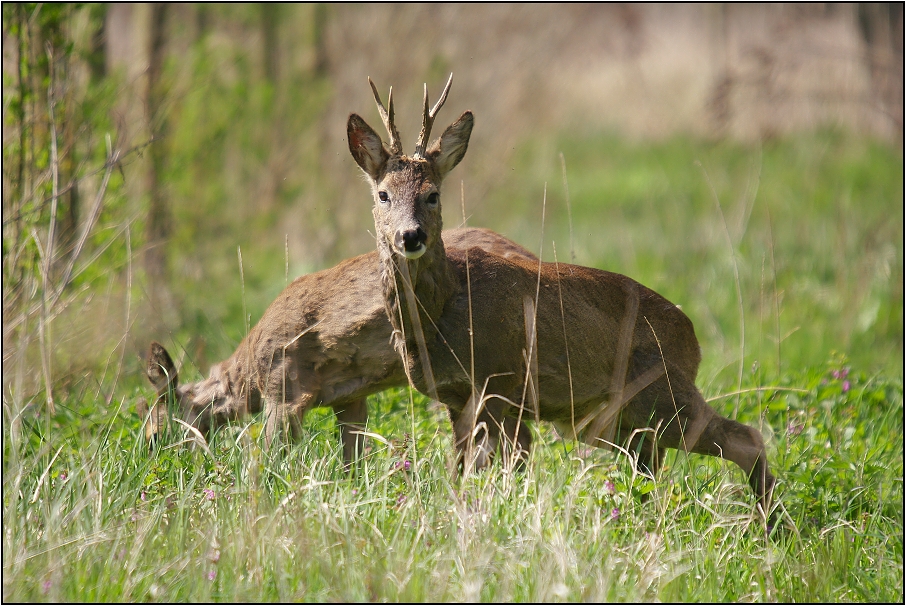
x,y
91,516
814,232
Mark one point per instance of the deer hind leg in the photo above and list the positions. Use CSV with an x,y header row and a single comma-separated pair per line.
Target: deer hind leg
x,y
290,392
351,417
688,423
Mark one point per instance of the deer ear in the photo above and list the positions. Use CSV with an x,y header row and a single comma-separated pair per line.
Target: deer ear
x,y
448,149
161,370
366,147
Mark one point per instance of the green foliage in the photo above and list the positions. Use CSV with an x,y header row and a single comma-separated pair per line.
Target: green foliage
x,y
234,148
58,140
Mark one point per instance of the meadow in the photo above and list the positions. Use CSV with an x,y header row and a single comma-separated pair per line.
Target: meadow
x,y
784,247
788,258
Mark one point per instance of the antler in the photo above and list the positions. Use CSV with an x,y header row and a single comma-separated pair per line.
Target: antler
x,y
396,147
428,119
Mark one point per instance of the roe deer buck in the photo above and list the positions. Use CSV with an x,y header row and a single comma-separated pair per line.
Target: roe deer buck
x,y
502,340
325,341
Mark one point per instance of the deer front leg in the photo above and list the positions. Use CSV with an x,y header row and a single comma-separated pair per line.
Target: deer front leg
x,y
351,417
475,437
478,430
690,424
517,441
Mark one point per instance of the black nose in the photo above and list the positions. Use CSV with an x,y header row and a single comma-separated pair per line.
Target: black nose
x,y
413,239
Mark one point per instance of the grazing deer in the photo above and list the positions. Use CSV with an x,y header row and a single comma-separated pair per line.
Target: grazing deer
x,y
502,340
325,341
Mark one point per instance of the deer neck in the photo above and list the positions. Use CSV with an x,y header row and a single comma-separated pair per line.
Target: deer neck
x,y
414,310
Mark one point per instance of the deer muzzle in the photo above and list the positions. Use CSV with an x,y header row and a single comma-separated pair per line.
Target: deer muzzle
x,y
411,242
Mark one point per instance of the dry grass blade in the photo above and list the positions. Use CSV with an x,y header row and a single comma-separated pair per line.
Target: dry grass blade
x,y
41,480
737,282
197,438
415,317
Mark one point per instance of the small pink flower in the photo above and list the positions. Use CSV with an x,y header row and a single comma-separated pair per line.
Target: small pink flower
x,y
212,575
845,387
400,500
63,476
45,586
209,494
794,429
615,514
355,491
609,488
144,496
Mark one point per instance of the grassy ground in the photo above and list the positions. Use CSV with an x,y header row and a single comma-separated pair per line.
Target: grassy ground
x,y
782,256
91,516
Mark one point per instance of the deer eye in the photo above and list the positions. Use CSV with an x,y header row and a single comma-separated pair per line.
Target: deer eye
x,y
433,199
382,195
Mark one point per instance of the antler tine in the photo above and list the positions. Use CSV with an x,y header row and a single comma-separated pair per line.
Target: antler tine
x,y
396,146
428,119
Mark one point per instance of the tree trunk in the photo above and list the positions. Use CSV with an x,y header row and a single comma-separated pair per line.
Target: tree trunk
x,y
269,31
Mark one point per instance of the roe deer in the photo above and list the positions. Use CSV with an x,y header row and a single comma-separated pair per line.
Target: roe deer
x,y
502,340
325,341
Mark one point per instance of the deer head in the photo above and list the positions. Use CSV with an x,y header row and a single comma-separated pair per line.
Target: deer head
x,y
406,190
194,403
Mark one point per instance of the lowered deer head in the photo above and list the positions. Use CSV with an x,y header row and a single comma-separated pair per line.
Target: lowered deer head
x,y
203,405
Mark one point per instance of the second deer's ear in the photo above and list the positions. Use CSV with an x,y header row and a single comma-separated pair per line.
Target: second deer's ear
x,y
447,150
366,147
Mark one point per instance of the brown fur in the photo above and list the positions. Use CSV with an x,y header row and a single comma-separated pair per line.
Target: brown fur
x,y
325,341
608,356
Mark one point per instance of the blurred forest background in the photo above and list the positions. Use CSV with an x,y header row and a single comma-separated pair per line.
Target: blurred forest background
x,y
167,168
